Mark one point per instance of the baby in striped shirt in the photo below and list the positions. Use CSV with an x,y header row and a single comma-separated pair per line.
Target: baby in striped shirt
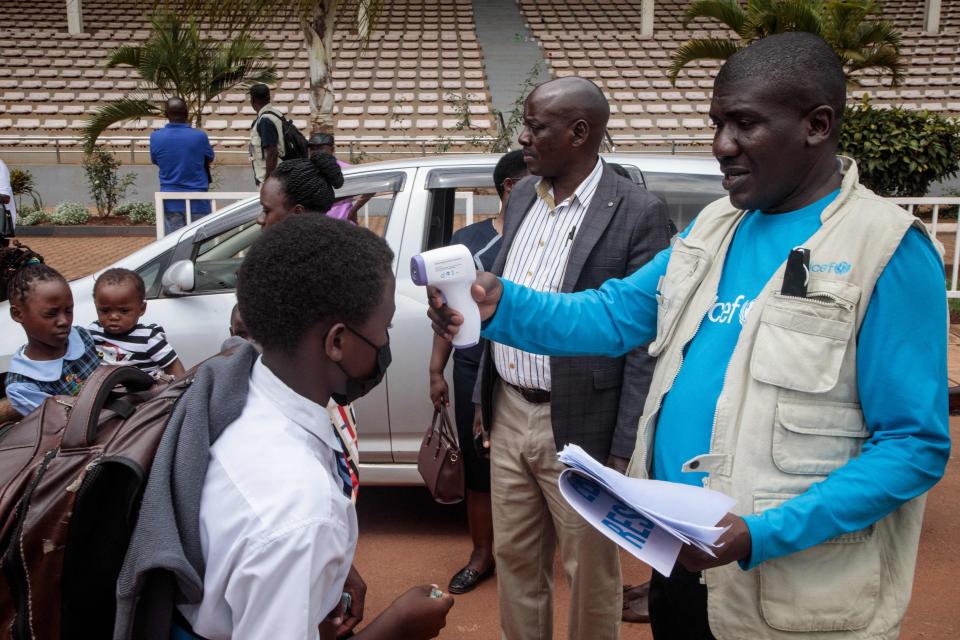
x,y
120,298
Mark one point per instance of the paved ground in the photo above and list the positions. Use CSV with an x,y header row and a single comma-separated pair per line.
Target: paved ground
x,y
406,539
77,257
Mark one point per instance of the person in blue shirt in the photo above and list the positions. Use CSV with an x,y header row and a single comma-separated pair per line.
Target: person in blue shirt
x,y
776,108
183,155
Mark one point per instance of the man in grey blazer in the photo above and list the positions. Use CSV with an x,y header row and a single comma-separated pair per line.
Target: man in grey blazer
x,y
570,229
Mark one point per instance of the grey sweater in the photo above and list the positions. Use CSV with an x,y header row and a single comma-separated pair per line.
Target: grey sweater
x,y
164,562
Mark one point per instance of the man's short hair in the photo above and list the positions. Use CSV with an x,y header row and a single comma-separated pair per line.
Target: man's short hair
x,y
260,93
307,270
320,139
510,165
799,67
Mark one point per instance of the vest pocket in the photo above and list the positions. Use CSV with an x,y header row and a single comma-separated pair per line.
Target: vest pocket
x,y
687,266
834,586
816,437
801,342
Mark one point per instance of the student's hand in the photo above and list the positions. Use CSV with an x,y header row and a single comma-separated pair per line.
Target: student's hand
x,y
439,391
486,291
7,412
736,541
417,616
357,589
617,463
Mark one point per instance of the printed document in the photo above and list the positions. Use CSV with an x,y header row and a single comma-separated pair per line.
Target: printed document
x,y
651,519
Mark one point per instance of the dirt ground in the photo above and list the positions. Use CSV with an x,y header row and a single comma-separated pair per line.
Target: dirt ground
x,y
405,540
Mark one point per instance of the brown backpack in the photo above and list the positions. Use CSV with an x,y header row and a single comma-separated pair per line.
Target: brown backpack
x,y
72,474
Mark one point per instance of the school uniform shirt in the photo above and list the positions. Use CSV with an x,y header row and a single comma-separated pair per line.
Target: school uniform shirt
x,y
30,382
277,529
145,346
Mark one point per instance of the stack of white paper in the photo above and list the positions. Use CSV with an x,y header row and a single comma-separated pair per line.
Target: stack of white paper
x,y
651,519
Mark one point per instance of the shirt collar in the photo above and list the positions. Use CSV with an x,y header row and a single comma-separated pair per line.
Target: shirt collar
x,y
266,107
47,370
545,188
305,413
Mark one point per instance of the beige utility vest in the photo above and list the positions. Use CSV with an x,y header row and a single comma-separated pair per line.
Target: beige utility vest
x,y
256,145
789,414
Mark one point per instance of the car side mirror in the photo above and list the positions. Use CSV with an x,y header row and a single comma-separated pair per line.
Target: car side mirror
x,y
179,278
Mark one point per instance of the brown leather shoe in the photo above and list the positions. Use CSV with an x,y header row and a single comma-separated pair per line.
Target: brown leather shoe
x,y
636,603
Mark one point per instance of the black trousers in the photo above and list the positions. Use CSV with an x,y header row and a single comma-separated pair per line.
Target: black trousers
x,y
678,606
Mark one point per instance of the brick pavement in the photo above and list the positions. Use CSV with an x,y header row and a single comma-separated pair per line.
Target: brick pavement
x,y
77,257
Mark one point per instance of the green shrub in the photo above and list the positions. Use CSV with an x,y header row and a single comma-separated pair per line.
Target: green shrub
x,y
138,212
107,186
21,182
900,152
70,213
30,217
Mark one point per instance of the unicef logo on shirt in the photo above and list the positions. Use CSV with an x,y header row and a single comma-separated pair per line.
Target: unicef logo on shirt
x,y
839,268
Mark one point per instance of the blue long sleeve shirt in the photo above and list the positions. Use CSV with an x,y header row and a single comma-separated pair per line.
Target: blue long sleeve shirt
x,y
901,369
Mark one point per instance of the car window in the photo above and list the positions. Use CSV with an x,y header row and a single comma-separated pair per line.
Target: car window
x,y
472,205
373,196
373,210
151,273
218,258
685,194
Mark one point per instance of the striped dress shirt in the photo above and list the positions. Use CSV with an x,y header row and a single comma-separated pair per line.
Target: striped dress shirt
x,y
538,259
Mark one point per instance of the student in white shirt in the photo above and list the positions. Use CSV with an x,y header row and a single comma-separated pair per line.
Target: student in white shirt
x,y
278,528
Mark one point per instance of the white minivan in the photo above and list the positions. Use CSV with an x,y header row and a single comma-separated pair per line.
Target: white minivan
x,y
419,203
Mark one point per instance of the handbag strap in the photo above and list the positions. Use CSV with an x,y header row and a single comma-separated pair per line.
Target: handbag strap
x,y
446,427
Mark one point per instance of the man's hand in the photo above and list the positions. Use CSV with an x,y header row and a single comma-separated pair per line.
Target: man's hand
x,y
478,430
617,463
439,391
417,616
736,542
357,589
486,291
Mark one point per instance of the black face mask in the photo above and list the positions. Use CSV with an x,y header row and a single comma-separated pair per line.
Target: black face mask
x,y
359,387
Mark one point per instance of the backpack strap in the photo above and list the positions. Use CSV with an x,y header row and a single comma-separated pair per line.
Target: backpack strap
x,y
281,143
81,430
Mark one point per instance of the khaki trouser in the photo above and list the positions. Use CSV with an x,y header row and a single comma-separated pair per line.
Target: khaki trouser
x,y
529,517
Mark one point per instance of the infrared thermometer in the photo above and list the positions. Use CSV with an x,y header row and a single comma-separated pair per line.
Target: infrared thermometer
x,y
452,271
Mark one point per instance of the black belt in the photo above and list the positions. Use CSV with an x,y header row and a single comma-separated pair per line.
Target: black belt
x,y
534,396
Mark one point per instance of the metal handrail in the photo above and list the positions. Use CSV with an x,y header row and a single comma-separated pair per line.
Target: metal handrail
x,y
20,143
953,291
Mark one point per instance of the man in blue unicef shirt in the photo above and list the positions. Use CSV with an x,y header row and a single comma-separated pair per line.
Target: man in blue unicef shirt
x,y
183,155
814,395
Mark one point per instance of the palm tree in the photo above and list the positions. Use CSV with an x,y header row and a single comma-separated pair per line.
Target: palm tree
x,y
853,28
177,61
317,20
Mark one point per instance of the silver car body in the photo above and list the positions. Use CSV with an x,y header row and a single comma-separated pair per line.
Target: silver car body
x,y
415,202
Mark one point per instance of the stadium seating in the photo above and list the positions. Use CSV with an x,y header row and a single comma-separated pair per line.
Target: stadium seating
x,y
601,41
421,73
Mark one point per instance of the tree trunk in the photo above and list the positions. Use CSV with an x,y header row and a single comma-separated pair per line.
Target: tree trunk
x,y
318,39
